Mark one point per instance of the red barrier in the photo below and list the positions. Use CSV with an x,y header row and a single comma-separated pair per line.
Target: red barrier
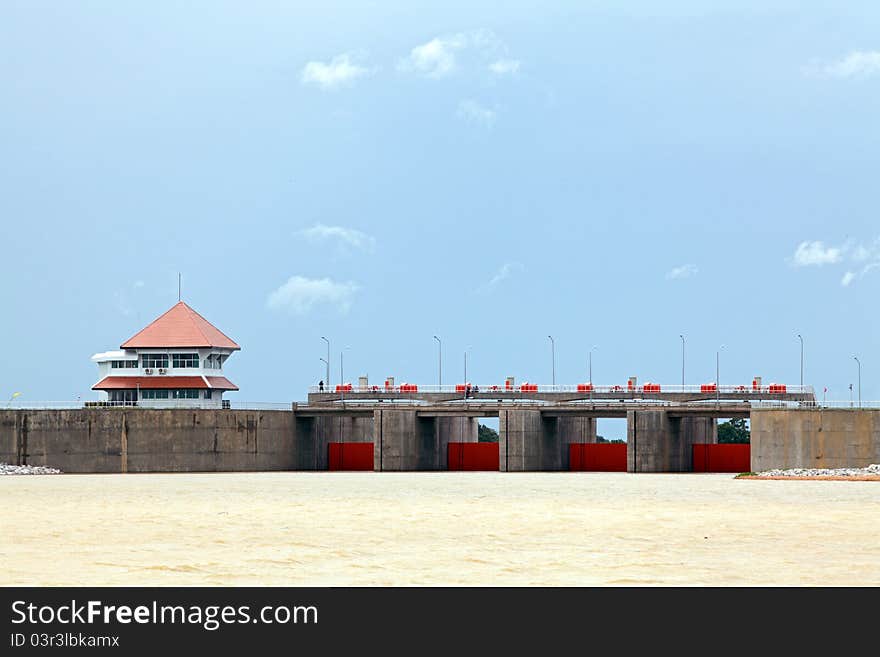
x,y
350,456
708,387
736,457
472,456
597,457
585,387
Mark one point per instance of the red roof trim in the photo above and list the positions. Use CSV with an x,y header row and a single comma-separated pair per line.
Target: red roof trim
x,y
221,383
164,383
150,382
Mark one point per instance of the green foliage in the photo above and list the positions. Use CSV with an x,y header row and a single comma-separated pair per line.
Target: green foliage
x,y
734,431
487,434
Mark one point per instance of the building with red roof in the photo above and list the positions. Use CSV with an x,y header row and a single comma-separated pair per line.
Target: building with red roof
x,y
177,360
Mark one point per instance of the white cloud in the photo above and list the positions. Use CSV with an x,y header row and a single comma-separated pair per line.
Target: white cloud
x,y
341,70
347,236
504,272
505,67
299,295
816,253
684,271
862,257
471,110
436,58
440,56
855,64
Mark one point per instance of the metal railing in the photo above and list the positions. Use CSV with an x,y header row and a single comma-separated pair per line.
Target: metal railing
x,y
818,405
526,387
159,404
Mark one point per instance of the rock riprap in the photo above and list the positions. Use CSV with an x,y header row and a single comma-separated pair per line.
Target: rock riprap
x,y
6,469
871,470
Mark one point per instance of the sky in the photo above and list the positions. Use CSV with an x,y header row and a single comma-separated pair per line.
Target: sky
x,y
613,174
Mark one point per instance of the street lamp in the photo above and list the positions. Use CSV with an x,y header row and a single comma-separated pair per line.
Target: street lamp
x,y
327,363
341,374
860,380
590,370
465,363
717,375
439,362
328,360
682,361
553,356
802,360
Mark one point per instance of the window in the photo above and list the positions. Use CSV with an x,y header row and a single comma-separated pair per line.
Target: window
x,y
185,360
154,394
155,360
207,394
185,394
123,364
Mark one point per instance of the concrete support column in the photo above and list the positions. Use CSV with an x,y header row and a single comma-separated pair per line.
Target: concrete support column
x,y
528,442
454,430
657,442
573,429
405,441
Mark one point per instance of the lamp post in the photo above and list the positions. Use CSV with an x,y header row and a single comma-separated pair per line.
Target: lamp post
x,y
590,363
328,360
439,362
717,374
860,379
682,361
465,364
801,338
553,356
327,363
341,372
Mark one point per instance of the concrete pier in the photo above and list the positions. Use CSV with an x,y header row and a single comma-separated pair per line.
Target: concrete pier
x,y
404,440
660,442
532,442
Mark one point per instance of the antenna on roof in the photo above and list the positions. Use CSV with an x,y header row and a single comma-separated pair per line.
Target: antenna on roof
x,y
178,286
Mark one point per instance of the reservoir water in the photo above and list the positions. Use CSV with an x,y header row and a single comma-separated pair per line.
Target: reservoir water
x,y
322,529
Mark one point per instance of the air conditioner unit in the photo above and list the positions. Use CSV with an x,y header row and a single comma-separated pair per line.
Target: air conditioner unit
x,y
162,370
147,370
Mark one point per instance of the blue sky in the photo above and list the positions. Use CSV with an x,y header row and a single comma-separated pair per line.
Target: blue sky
x,y
490,173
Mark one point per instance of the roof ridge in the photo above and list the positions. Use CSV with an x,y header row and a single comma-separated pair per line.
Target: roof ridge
x,y
199,315
192,312
149,325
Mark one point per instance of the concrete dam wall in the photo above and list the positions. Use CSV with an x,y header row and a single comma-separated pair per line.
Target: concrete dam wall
x,y
141,440
822,438
217,440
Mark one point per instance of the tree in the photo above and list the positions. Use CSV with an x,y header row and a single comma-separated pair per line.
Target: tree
x,y
487,434
734,431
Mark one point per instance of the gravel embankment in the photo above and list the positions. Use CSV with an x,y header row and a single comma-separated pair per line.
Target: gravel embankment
x,y
6,469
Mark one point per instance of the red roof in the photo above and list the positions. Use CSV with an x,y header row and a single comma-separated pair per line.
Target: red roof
x,y
164,383
181,326
221,383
